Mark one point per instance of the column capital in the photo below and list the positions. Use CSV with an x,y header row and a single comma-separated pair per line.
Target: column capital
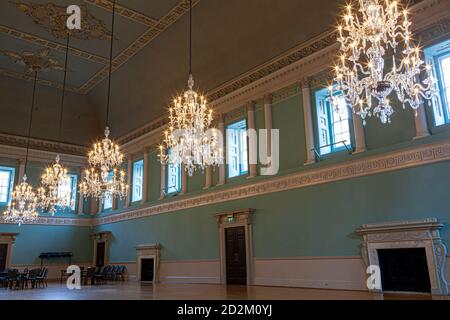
x,y
304,83
268,98
250,105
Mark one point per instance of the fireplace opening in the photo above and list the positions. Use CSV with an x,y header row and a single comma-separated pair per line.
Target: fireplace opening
x,y
404,270
147,270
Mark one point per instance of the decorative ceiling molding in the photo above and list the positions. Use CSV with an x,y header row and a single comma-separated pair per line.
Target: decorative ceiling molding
x,y
51,44
125,12
393,161
97,30
172,16
52,18
28,77
34,60
43,145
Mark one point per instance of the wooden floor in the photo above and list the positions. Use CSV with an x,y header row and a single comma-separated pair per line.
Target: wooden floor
x,y
133,291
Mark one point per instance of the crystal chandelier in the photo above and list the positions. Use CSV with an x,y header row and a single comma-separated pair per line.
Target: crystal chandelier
x,y
22,208
55,191
378,28
190,140
104,177
55,188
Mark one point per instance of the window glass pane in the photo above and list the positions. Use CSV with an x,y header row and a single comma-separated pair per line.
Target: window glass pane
x,y
108,199
341,123
173,177
5,176
237,150
138,176
69,189
445,71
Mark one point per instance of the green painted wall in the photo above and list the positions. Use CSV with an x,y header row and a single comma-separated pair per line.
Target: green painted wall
x,y
34,239
312,221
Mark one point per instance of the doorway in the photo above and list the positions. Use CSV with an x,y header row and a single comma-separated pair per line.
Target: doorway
x,y
235,256
147,270
100,256
3,255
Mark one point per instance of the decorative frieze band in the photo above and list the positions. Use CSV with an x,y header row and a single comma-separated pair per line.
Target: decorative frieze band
x,y
56,221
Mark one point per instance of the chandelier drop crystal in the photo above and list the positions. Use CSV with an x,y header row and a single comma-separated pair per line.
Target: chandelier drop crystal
x,y
104,178
23,205
55,190
190,140
189,137
376,29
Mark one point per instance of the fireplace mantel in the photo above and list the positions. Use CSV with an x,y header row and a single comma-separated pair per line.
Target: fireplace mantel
x,y
148,251
424,233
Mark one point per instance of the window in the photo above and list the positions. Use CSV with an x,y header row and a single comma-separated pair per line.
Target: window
x,y
173,178
439,55
334,127
138,176
237,156
6,184
108,199
70,188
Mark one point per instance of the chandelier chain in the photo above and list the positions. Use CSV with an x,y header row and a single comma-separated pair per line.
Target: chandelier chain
x,y
110,62
63,95
30,123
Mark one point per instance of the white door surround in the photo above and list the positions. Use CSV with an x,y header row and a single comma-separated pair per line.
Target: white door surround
x,y
104,236
8,238
237,218
422,233
148,251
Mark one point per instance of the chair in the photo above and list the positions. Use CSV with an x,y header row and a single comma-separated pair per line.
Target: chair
x,y
42,278
99,275
13,279
90,275
121,273
31,277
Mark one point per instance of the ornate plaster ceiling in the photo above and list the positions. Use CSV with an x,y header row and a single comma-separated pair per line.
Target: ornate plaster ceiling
x,y
29,27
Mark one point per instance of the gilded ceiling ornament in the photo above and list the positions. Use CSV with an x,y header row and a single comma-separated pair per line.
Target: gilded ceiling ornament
x,y
34,61
53,19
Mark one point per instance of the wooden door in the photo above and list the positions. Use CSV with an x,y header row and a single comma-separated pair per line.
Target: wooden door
x,y
236,264
3,255
100,259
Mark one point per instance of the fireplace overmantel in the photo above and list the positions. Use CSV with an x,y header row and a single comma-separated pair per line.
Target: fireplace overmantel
x,y
423,233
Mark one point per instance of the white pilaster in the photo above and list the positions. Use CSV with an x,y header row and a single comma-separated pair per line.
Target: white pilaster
x,y
308,122
421,123
145,176
251,125
184,180
208,177
360,137
129,174
222,167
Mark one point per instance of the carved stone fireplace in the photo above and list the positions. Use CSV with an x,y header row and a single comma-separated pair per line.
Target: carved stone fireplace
x,y
146,254
414,234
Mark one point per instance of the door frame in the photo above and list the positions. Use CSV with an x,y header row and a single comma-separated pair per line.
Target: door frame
x,y
101,237
139,267
238,218
8,238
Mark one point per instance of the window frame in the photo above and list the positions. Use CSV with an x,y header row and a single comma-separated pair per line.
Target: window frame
x,y
177,188
322,95
435,53
244,126
12,173
443,99
133,176
109,208
73,191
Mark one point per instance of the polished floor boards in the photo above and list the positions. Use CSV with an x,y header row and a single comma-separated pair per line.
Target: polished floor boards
x,y
132,291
